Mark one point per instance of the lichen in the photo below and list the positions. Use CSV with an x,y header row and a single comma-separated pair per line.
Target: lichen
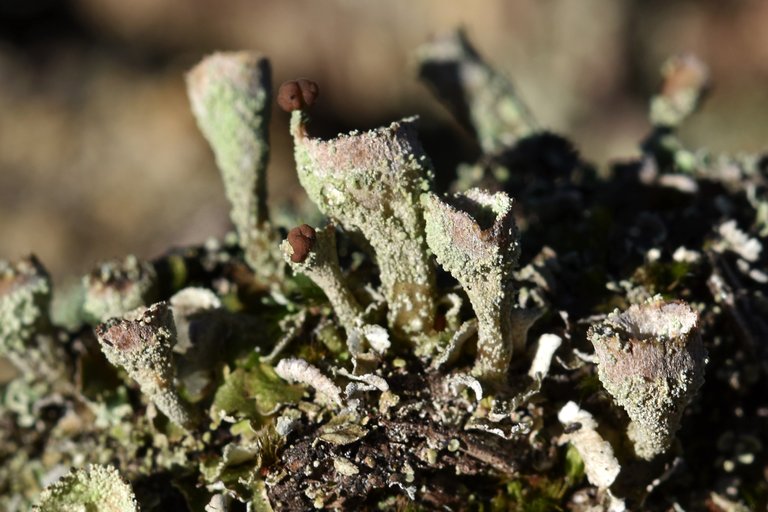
x,y
27,336
91,488
231,97
600,463
685,81
382,360
117,287
144,349
319,260
651,360
370,184
477,94
474,237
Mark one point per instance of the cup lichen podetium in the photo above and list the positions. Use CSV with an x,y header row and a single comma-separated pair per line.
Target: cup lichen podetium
x,y
651,360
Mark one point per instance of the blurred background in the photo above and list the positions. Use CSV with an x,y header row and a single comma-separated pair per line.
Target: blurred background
x,y
100,155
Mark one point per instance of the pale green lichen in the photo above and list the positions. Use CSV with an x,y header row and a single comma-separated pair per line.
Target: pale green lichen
x,y
546,346
686,79
117,287
322,266
25,397
343,429
734,239
651,360
370,183
275,441
320,262
474,238
144,349
25,295
94,488
248,392
476,93
27,337
231,96
236,469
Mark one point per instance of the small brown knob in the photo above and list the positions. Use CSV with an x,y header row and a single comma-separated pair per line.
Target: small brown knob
x,y
297,94
301,239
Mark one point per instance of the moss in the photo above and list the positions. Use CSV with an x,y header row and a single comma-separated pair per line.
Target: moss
x,y
664,277
528,495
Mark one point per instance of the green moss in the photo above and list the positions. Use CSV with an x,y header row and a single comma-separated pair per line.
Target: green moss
x,y
249,393
665,278
529,495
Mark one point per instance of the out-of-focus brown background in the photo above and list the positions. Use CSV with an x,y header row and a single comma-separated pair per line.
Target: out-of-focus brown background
x,y
100,156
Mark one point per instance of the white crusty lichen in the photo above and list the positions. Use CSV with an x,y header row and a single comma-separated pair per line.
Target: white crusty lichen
x,y
144,349
600,464
26,334
89,489
231,93
370,184
117,287
546,346
473,236
734,239
299,371
651,360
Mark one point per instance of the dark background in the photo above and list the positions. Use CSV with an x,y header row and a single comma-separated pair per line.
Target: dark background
x,y
100,156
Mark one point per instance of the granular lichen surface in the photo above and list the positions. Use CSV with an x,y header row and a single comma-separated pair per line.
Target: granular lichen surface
x,y
539,335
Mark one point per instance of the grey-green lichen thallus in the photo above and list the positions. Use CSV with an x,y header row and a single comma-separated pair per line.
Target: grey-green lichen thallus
x,y
370,184
117,287
94,487
27,337
231,94
473,236
278,400
313,253
685,82
144,349
651,360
